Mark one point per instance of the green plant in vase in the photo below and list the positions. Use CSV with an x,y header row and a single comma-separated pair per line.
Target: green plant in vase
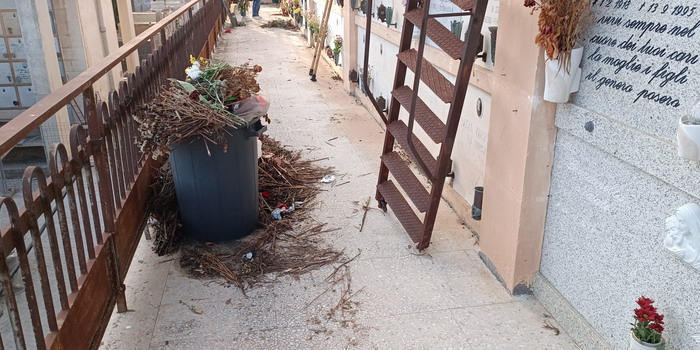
x,y
243,7
312,22
337,48
647,327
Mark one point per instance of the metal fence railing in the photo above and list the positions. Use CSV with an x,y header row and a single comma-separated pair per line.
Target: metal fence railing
x,y
84,218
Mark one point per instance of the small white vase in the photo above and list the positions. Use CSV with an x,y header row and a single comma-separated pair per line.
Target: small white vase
x,y
311,39
688,139
559,83
636,344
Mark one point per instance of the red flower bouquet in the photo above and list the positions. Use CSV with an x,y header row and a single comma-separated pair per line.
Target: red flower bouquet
x,y
648,323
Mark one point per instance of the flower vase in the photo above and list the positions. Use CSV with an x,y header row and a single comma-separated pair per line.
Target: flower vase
x,y
688,139
311,38
336,58
560,83
242,13
494,34
636,344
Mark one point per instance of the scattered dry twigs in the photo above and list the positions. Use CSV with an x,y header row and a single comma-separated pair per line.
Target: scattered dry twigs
x,y
335,272
548,325
345,303
286,178
240,81
164,214
364,215
280,23
200,108
212,262
283,178
173,117
267,251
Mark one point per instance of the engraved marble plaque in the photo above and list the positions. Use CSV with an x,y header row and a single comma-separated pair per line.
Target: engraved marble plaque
x,y
642,57
17,48
22,74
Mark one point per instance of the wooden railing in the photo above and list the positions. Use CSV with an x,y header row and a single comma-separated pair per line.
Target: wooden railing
x,y
69,247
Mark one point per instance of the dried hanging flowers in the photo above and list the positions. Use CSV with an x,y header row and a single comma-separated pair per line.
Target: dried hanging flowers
x,y
560,26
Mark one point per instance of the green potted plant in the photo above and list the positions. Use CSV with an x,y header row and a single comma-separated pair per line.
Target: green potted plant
x,y
243,7
647,327
314,26
337,47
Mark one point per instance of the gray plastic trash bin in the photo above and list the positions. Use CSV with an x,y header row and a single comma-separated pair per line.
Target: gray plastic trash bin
x,y
218,194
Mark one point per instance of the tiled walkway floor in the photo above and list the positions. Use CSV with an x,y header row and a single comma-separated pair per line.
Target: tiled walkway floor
x,y
445,299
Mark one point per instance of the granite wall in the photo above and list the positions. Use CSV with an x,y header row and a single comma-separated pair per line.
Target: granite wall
x,y
613,187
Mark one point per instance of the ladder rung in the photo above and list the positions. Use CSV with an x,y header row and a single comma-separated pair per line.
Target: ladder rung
x,y
429,122
407,180
429,75
438,33
407,217
399,130
466,5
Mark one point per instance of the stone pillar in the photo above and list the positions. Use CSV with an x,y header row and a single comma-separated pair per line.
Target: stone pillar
x,y
349,46
70,36
110,39
127,31
35,21
100,38
519,156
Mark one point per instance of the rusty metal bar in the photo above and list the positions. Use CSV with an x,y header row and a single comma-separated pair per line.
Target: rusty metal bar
x,y
365,73
29,174
59,150
6,280
430,173
460,91
105,183
20,126
60,183
395,105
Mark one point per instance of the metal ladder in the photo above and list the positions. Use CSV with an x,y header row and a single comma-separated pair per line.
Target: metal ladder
x,y
443,133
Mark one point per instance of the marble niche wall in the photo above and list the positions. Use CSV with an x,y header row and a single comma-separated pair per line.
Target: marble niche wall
x,y
617,177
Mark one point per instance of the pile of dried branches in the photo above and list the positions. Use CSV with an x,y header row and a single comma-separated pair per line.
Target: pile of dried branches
x,y
240,81
284,177
164,220
278,247
251,260
201,107
280,23
174,116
